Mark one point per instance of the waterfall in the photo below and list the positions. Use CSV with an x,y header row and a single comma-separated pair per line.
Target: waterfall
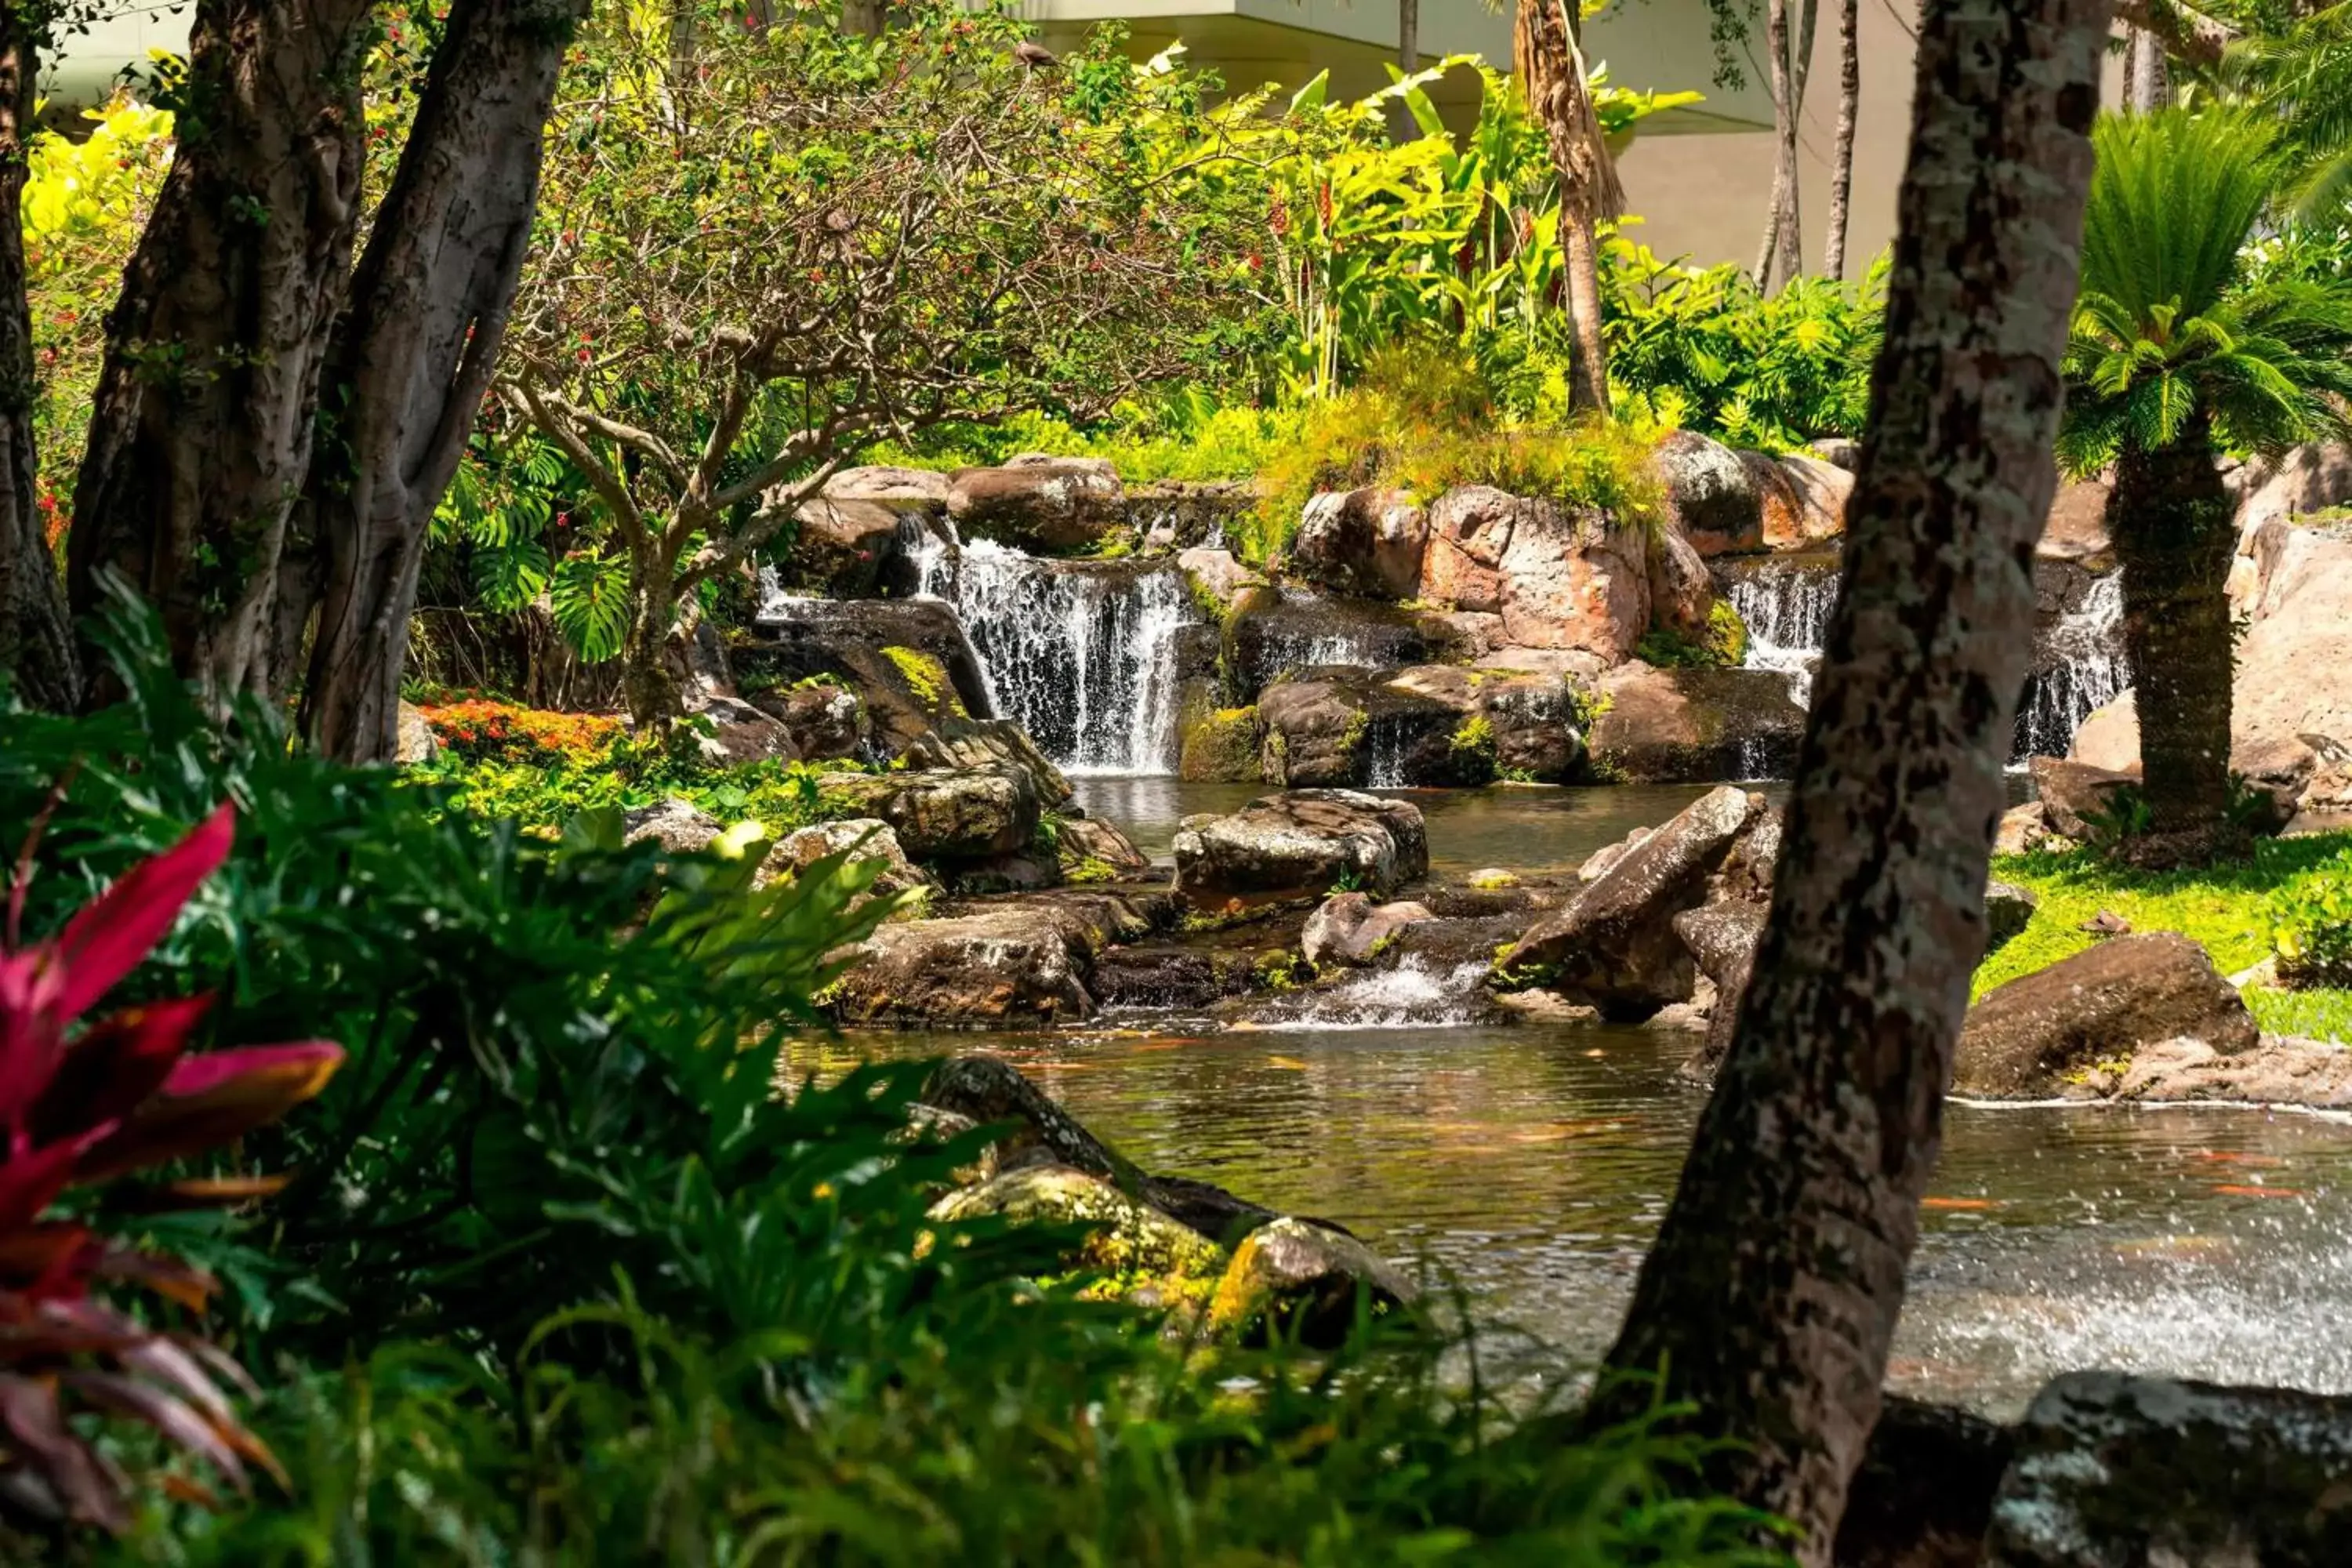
x,y
1085,659
1786,609
1384,737
2079,667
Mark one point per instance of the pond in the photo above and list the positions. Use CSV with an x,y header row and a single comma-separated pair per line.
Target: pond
x,y
1533,1164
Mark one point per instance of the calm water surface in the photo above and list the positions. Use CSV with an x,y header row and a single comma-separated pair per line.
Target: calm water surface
x,y
1533,1165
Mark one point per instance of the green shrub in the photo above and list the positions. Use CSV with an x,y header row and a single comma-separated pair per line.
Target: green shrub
x,y
1725,644
2311,924
1472,750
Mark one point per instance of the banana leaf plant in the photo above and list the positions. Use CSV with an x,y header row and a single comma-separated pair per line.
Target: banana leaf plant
x,y
88,1100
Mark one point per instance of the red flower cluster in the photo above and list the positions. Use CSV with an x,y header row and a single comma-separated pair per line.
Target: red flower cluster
x,y
479,729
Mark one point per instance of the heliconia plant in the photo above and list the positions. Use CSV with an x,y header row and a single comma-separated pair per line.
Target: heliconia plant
x,y
86,1102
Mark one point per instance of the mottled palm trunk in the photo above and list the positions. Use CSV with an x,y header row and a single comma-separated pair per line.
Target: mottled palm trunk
x,y
1549,61
37,650
414,358
201,430
1849,117
1771,1298
2174,533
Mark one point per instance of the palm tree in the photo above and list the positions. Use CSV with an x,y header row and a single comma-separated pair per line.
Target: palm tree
x,y
2304,75
1548,58
2183,348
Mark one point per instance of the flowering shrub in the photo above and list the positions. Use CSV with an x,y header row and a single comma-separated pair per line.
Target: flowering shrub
x,y
79,1106
479,729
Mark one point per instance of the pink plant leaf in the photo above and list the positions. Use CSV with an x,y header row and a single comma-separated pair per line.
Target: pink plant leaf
x,y
29,1183
173,1279
38,1434
212,1100
106,940
113,1064
158,1361
166,1412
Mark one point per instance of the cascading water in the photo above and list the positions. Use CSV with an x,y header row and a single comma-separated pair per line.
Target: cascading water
x,y
1787,613
1085,659
2080,668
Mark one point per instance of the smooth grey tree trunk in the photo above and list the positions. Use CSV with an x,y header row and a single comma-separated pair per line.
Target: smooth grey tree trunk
x,y
1848,120
1409,35
1781,257
1771,1295
36,648
202,425
414,358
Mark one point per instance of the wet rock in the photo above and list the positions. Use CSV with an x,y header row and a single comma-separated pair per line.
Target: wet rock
x,y
1802,499
1575,578
2030,1038
1469,528
1367,542
943,815
840,548
2279,1070
825,722
730,732
1046,506
1268,633
1184,514
2075,795
1350,929
676,825
1596,864
1337,728
1136,1246
1749,864
1095,848
1215,578
992,1092
2076,529
2009,909
1923,1495
1723,939
1293,1276
1614,944
1662,726
1167,975
862,839
1220,745
1710,494
1300,843
1009,968
906,660
413,738
2117,1471
1509,723
965,745
1312,730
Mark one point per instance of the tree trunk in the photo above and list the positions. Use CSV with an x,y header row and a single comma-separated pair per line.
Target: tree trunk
x,y
1548,60
1409,35
412,359
646,683
1780,255
201,429
1771,1296
1849,116
37,648
2174,533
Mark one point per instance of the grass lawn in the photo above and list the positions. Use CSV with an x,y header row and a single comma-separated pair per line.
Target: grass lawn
x,y
2224,908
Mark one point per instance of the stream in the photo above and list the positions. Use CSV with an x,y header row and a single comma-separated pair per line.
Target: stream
x,y
1531,1164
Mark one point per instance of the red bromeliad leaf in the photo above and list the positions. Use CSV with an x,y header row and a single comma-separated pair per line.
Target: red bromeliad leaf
x,y
106,940
30,1181
34,1257
64,1467
169,1278
168,1414
112,1066
210,1099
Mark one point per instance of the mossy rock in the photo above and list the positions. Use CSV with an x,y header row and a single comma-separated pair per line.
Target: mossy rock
x,y
1137,1250
1293,1276
1221,745
926,679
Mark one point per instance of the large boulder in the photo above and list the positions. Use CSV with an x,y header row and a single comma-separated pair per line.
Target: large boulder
x,y
1469,529
1614,945
906,660
2076,531
1512,723
1662,726
943,814
1295,1278
2111,1471
1802,499
1710,494
1215,579
1186,515
899,489
2076,796
967,744
1350,929
413,737
1301,843
1047,506
1367,542
1682,590
1269,632
1006,964
1218,745
2307,480
840,548
861,839
824,719
2280,1070
1337,728
2033,1037
674,823
1575,578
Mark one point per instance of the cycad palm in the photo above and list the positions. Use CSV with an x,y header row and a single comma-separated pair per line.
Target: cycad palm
x,y
2183,350
2303,77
